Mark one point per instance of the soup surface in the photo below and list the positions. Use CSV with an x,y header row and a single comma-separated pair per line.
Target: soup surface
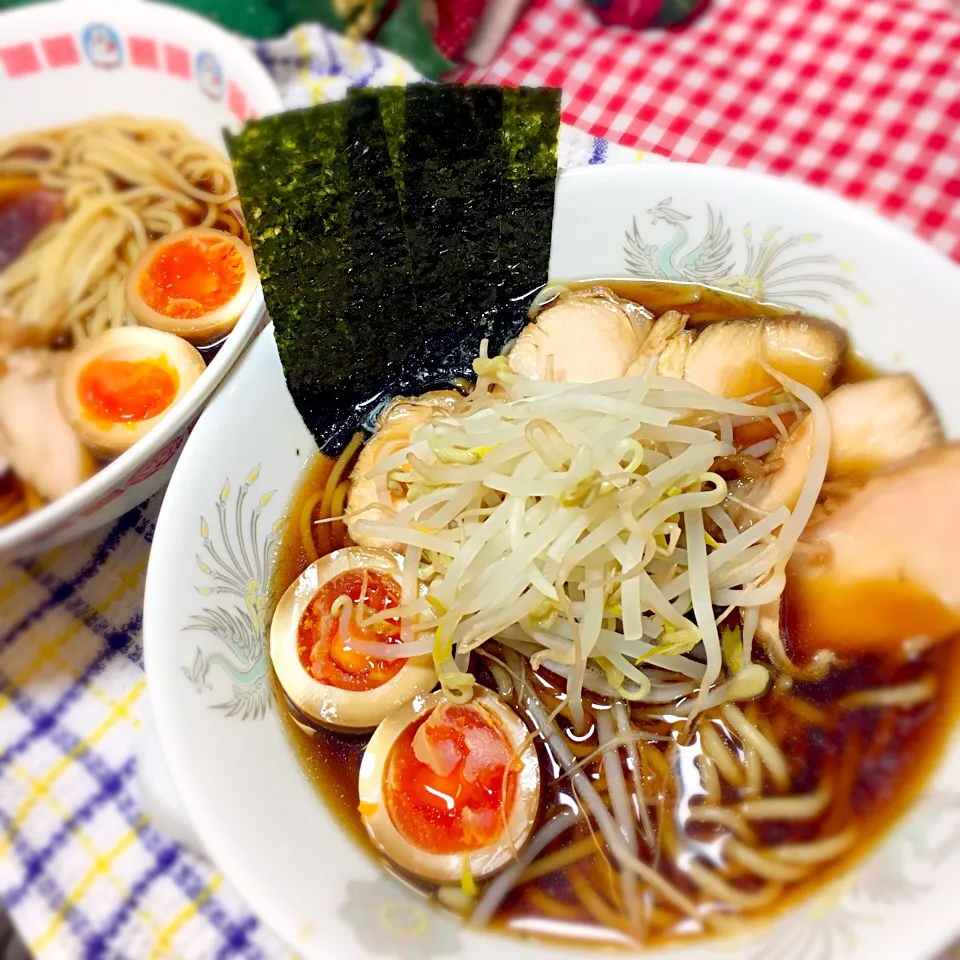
x,y
858,744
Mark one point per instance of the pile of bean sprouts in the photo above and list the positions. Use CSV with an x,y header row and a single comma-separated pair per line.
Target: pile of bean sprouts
x,y
584,527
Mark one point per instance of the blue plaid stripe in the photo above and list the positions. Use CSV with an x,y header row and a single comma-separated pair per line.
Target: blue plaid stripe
x,y
65,589
600,148
43,721
46,885
163,864
35,864
111,784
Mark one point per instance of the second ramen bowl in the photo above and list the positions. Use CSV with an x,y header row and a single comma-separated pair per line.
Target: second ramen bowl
x,y
68,61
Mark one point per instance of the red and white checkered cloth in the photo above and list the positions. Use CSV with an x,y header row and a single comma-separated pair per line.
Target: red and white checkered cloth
x,y
858,96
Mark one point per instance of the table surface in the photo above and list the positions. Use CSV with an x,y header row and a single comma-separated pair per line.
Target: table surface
x,y
861,98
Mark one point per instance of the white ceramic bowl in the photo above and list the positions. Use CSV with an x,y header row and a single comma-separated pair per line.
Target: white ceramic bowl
x,y
74,59
240,783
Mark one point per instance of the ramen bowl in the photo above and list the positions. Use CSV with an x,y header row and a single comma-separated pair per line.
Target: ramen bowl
x,y
237,789
68,61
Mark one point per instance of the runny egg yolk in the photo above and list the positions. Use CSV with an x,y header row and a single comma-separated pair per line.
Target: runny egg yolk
x,y
326,653
127,391
448,780
192,277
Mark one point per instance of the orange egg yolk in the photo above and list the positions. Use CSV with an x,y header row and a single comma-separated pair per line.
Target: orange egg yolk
x,y
325,651
448,779
127,391
192,277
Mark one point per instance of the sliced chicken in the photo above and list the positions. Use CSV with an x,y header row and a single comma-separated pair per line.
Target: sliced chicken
x,y
370,498
584,336
885,566
34,437
873,424
726,357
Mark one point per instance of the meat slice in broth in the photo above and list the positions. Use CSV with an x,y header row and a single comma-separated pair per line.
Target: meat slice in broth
x,y
34,436
583,337
726,358
370,498
673,357
884,567
873,424
666,330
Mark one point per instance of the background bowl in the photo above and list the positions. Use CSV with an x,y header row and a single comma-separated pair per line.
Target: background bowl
x,y
68,61
243,790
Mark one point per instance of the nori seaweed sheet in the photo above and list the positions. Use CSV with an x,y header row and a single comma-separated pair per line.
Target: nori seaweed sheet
x,y
393,231
322,209
531,126
453,163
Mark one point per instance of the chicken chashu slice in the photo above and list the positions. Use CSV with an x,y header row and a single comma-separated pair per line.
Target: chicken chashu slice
x,y
884,567
584,336
35,439
873,424
370,498
727,358
592,334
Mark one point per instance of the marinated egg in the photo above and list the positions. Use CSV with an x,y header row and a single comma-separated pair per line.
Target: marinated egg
x,y
115,388
195,283
447,789
336,602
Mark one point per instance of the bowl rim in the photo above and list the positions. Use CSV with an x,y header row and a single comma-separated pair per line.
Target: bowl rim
x,y
32,528
224,852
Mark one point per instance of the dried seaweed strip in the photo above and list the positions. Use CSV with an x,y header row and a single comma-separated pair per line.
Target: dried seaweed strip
x,y
291,173
393,114
327,231
452,169
279,163
531,126
383,267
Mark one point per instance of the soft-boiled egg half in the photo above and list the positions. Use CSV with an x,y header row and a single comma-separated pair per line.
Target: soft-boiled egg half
x,y
116,387
450,789
339,602
195,283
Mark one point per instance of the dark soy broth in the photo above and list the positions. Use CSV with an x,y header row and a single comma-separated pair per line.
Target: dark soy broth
x,y
875,760
703,304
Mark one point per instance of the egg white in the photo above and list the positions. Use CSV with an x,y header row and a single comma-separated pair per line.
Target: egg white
x,y
350,710
109,438
448,867
211,327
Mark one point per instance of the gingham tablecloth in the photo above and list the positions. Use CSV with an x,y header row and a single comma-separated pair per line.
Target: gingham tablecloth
x,y
859,96
758,82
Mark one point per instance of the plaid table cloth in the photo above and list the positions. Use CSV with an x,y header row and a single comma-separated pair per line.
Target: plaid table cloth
x,y
859,97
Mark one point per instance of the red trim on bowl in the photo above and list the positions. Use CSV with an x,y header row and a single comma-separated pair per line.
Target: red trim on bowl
x,y
143,53
20,60
237,101
60,51
177,61
99,504
158,461
63,50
